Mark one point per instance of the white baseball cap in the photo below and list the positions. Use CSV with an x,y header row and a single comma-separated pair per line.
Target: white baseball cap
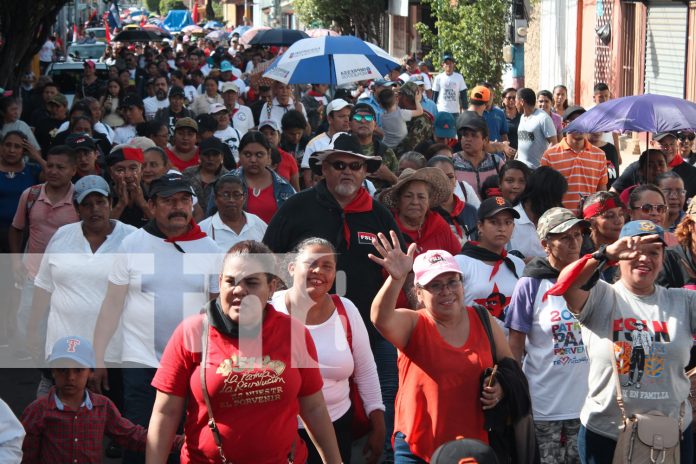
x,y
337,105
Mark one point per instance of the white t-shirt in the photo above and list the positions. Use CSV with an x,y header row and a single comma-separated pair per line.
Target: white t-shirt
x,y
124,134
319,143
611,313
278,111
152,104
531,137
46,52
337,363
243,119
231,137
448,87
226,237
165,286
556,359
471,197
77,280
493,293
99,126
524,236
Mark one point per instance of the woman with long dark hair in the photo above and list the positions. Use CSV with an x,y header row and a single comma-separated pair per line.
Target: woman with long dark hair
x,y
544,190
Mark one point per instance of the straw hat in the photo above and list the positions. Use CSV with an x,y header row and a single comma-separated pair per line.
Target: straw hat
x,y
434,177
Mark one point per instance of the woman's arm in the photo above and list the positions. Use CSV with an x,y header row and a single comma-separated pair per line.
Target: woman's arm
x,y
166,414
40,304
517,342
394,324
319,427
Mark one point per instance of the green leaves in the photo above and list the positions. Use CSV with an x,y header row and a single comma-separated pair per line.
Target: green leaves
x,y
356,17
473,33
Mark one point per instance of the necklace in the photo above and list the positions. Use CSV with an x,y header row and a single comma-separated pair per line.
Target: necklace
x,y
256,191
10,174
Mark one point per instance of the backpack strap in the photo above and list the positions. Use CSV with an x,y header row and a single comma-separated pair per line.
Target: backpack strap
x,y
34,193
343,315
461,186
486,321
204,387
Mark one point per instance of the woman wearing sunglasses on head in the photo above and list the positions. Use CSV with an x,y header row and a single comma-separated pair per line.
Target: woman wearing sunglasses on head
x,y
266,190
444,353
647,202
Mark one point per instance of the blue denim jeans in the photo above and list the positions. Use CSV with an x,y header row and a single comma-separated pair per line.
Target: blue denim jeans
x,y
385,358
598,449
402,452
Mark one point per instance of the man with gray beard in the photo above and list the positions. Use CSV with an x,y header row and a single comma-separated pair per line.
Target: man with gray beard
x,y
340,210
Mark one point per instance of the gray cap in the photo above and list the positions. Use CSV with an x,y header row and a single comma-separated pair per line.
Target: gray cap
x,y
90,184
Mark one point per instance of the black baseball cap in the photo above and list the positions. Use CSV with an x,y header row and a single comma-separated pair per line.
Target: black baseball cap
x,y
571,110
364,108
494,205
213,144
80,142
464,450
132,100
176,92
168,185
471,120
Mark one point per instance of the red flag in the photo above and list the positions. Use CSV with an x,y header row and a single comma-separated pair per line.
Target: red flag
x,y
74,33
195,12
106,28
142,20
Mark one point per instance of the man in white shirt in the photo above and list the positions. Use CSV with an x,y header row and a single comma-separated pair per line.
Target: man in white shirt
x,y
281,104
160,100
242,118
412,69
226,133
535,132
338,117
449,88
165,272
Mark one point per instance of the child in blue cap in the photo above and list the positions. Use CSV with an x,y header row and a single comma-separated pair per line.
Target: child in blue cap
x,y
69,424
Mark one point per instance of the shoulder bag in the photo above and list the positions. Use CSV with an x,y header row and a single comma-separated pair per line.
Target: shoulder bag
x,y
649,437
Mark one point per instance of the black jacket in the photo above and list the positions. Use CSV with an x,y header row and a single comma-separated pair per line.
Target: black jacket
x,y
315,213
678,268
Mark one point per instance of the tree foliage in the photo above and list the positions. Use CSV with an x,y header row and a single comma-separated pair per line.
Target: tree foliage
x,y
473,32
153,5
355,17
166,5
24,27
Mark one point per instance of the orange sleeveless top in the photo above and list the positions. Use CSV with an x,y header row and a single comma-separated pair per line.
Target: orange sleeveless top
x,y
439,386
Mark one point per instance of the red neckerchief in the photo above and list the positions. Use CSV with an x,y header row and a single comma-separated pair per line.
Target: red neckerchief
x,y
423,233
360,204
234,111
456,211
194,233
573,272
676,161
315,94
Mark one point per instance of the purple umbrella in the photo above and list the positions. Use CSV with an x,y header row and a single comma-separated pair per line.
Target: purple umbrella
x,y
639,113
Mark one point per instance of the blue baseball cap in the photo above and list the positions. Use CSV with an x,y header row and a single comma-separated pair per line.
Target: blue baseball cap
x,y
445,125
74,348
642,227
447,56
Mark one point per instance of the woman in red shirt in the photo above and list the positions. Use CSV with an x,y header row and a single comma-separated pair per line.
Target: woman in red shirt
x,y
260,373
444,352
266,189
411,200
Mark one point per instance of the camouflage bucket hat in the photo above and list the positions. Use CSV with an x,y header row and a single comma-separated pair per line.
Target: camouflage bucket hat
x,y
409,89
556,221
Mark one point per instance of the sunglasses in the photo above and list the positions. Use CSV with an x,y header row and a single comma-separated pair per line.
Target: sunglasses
x,y
647,208
341,165
689,137
363,117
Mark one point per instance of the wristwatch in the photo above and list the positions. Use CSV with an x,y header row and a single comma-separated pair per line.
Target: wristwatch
x,y
601,256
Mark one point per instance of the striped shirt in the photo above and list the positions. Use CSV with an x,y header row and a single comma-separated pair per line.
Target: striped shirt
x,y
585,170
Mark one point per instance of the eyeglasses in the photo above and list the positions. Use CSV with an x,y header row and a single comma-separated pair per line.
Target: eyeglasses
x,y
686,136
342,165
230,195
438,287
674,192
647,208
363,117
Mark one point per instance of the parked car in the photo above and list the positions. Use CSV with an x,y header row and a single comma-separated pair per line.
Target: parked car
x,y
85,51
67,76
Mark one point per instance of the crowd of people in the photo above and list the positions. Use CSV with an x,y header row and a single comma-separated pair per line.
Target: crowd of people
x,y
209,266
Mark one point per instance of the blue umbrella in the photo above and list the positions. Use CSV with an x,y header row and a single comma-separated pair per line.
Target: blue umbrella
x,y
240,30
331,60
639,113
213,25
278,37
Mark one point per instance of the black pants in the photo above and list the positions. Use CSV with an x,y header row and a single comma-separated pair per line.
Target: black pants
x,y
342,427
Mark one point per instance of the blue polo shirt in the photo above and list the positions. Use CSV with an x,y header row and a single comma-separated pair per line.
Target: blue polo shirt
x,y
497,123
